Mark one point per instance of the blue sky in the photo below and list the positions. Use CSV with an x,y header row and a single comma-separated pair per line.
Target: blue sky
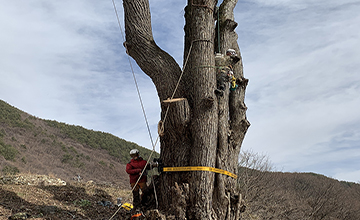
x,y
65,61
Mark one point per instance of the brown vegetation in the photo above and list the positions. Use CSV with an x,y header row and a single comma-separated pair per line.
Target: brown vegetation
x,y
310,196
276,195
38,200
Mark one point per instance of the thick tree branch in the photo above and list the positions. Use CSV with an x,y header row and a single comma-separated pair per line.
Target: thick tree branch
x,y
140,45
227,9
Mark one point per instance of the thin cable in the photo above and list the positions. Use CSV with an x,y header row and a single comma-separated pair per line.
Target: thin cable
x,y
218,26
117,16
136,84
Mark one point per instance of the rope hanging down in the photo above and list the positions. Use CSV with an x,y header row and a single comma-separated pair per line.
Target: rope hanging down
x,y
143,109
218,27
136,84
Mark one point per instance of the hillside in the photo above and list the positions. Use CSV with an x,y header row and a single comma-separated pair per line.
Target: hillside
x,y
36,146
277,195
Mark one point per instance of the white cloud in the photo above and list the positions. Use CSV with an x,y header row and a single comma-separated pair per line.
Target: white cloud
x,y
302,66
345,175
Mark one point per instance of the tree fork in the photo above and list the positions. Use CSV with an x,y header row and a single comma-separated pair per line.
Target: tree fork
x,y
202,129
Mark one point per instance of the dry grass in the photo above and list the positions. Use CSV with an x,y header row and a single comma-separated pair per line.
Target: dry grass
x,y
75,200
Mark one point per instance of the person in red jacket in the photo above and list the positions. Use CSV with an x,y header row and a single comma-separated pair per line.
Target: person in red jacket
x,y
134,169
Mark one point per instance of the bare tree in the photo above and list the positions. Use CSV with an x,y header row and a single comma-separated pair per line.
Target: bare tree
x,y
252,173
255,185
203,129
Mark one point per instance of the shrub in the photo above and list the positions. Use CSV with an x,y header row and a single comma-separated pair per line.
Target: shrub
x,y
102,163
66,158
78,164
63,147
2,133
82,202
73,149
10,170
8,151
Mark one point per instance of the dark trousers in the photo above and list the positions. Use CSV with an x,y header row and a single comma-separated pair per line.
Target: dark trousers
x,y
136,193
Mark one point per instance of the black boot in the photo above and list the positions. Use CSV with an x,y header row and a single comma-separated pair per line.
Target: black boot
x,y
136,199
219,92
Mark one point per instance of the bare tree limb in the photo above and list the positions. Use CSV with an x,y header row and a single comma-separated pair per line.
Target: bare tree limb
x,y
156,63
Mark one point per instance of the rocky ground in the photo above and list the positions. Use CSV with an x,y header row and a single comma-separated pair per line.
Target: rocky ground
x,y
43,197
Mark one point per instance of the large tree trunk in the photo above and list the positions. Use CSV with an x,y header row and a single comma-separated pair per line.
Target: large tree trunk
x,y
204,129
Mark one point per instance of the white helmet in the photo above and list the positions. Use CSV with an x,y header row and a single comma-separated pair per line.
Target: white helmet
x,y
134,151
231,52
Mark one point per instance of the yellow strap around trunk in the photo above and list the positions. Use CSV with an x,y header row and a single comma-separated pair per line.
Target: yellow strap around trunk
x,y
199,168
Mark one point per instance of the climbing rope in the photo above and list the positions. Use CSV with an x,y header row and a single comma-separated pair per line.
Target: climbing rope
x,y
218,27
132,70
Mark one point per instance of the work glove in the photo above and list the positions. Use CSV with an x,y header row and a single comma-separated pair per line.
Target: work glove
x,y
153,164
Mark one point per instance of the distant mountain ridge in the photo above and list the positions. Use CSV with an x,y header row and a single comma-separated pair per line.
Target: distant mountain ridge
x,y
32,145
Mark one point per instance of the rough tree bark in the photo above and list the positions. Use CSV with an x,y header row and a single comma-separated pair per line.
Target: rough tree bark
x,y
204,129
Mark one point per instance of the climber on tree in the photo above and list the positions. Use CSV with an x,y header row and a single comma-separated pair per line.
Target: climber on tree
x,y
232,54
225,74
